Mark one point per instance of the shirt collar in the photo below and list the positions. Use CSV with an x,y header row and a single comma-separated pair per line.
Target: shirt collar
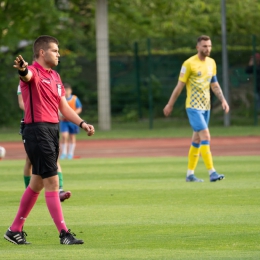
x,y
37,65
70,97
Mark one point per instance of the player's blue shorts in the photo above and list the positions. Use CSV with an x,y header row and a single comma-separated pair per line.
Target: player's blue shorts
x,y
66,126
199,119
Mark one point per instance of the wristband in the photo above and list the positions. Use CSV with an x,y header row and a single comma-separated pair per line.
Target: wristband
x,y
80,125
23,73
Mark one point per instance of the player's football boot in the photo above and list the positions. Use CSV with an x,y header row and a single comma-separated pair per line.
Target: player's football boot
x,y
17,238
214,176
193,178
67,238
70,157
64,195
63,156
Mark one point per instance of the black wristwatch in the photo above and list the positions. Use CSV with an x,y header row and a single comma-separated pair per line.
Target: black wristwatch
x,y
80,125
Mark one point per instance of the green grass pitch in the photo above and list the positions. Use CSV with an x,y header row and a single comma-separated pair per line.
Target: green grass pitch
x,y
141,208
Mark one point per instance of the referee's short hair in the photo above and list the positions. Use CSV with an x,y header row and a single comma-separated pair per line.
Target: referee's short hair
x,y
42,42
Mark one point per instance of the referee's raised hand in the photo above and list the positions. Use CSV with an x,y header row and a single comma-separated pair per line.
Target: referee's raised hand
x,y
20,63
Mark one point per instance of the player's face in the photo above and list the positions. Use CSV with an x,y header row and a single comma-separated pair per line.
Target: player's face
x,y
68,92
204,48
51,55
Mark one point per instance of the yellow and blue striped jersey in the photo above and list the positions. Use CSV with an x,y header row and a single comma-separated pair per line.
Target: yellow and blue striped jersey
x,y
197,75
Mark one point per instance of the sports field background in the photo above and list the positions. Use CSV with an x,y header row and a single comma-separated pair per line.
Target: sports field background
x,y
140,207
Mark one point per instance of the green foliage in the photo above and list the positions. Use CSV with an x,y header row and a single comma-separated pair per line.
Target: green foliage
x,y
135,19
9,105
141,208
172,26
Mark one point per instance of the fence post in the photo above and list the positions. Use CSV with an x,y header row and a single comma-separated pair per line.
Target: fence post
x,y
137,75
150,95
255,80
225,59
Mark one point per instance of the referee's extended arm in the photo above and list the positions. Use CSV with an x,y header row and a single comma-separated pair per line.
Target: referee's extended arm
x,y
21,65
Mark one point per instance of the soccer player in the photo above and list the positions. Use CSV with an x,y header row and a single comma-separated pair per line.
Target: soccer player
x,y
43,95
199,74
68,129
28,166
250,70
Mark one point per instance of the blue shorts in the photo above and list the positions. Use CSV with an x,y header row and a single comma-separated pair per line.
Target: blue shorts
x,y
199,119
66,126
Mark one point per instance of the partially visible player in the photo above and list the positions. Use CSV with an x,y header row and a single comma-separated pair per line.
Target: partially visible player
x,y
250,70
68,129
199,74
2,152
27,171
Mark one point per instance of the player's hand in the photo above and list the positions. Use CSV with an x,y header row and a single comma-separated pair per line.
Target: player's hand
x,y
225,106
167,110
20,63
251,61
89,129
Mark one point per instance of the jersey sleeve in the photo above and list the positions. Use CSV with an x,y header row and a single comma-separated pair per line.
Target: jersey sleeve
x,y
19,90
62,86
78,103
214,73
33,71
185,72
62,90
214,68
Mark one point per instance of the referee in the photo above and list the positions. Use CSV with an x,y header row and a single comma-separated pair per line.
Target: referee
x,y
43,95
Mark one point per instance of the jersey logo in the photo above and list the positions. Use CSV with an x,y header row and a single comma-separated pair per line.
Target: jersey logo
x,y
59,89
199,73
183,70
46,81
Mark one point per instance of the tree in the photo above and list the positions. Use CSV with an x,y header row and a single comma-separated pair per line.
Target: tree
x,y
23,22
132,20
73,23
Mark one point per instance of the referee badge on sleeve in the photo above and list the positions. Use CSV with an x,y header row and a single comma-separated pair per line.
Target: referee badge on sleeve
x,y
59,89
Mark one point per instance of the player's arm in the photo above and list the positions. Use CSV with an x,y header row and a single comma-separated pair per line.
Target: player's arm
x,y
20,101
21,65
78,110
219,94
78,106
73,117
175,94
184,75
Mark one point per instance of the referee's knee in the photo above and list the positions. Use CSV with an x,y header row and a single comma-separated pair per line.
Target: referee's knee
x,y
51,183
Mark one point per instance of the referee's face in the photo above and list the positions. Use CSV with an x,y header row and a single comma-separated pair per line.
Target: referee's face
x,y
51,56
204,48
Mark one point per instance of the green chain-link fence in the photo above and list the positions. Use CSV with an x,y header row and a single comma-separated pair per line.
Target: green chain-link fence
x,y
142,77
143,80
